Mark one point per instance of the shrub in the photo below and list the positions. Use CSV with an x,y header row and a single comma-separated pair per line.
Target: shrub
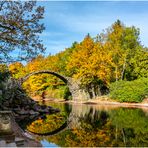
x,y
129,91
67,94
62,92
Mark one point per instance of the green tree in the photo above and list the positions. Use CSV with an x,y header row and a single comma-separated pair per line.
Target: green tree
x,y
138,65
124,44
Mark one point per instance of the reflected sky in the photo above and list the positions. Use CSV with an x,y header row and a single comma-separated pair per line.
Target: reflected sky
x,y
48,144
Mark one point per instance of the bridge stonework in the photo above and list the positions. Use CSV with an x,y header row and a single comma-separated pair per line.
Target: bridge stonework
x,y
78,94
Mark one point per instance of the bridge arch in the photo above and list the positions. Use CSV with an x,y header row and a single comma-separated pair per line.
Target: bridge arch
x,y
63,78
78,93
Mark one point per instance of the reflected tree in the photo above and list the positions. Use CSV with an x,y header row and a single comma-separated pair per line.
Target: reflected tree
x,y
98,128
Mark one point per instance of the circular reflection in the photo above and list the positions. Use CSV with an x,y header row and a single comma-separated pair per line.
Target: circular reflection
x,y
50,125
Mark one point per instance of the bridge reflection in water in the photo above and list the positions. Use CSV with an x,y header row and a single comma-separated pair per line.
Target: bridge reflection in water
x,y
94,126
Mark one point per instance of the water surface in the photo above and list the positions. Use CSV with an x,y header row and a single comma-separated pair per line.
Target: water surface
x,y
80,125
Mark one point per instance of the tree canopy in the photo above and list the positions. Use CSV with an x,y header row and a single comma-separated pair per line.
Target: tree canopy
x,y
20,27
114,55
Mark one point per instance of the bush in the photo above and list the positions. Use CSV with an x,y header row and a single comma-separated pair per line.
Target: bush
x,y
62,92
129,91
67,94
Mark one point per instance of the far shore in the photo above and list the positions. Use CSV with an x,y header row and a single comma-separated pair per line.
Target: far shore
x,y
103,100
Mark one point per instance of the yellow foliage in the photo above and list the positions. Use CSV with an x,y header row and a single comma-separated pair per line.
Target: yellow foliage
x,y
17,69
91,60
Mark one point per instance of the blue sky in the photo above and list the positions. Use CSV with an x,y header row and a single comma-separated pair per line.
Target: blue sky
x,y
69,21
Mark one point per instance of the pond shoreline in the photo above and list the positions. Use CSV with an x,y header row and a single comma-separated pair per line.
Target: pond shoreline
x,y
98,102
101,101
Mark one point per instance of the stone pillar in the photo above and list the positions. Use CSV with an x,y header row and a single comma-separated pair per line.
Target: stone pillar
x,y
78,93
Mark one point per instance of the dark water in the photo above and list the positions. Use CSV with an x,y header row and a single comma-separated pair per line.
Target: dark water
x,y
92,126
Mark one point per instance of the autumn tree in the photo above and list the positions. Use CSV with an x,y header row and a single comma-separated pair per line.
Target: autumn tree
x,y
19,30
90,63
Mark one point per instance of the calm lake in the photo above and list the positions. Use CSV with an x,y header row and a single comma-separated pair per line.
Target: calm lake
x,y
79,125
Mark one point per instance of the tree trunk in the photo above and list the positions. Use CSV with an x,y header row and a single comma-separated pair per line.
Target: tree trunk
x,y
123,70
93,91
116,71
124,138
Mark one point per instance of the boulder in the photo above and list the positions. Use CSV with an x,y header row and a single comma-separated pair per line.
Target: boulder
x,y
23,112
32,112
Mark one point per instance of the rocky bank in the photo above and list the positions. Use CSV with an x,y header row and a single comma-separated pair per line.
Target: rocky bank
x,y
13,98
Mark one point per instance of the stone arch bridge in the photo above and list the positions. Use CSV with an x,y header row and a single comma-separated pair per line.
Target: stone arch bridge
x,y
78,94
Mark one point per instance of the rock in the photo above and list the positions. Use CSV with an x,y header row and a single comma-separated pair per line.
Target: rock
x,y
32,102
43,106
27,107
29,101
28,135
37,108
32,117
16,115
1,106
23,112
24,102
10,145
6,104
49,107
22,117
17,101
46,110
33,112
19,141
54,110
16,109
5,108
40,110
1,92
